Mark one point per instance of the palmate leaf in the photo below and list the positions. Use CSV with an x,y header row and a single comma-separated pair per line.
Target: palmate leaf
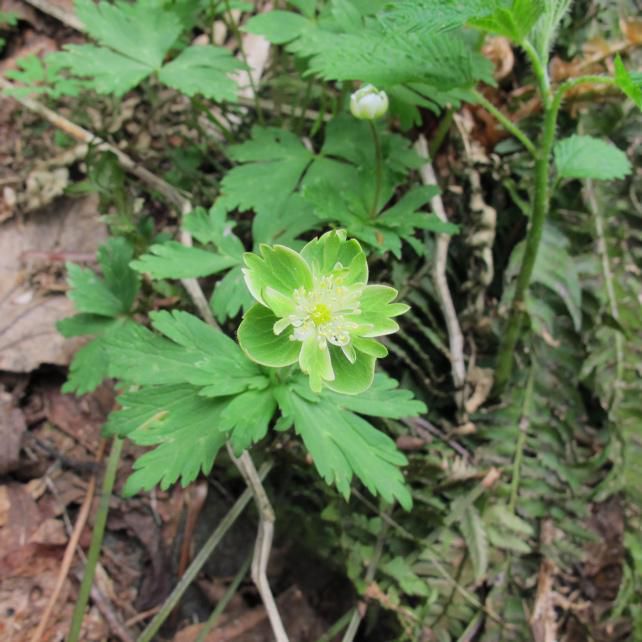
x,y
204,70
194,353
172,260
115,293
182,426
134,40
343,444
230,295
588,157
514,22
405,44
88,369
277,157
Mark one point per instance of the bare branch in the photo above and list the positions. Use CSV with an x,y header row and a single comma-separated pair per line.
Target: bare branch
x,y
455,336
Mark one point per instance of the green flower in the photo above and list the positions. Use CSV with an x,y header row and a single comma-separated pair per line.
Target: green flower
x,y
316,308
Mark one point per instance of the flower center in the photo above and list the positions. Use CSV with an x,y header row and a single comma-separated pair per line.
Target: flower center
x,y
321,314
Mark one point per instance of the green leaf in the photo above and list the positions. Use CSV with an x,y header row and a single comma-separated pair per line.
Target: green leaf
x,y
114,258
91,294
343,444
215,228
256,337
383,399
630,84
273,157
474,534
97,65
84,324
88,369
172,260
142,31
501,516
248,416
230,295
278,26
409,582
182,426
588,157
112,296
203,69
514,22
197,354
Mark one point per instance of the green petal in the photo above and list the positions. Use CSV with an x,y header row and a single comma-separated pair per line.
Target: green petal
x,y
256,337
370,346
323,254
351,378
376,310
281,304
316,363
279,268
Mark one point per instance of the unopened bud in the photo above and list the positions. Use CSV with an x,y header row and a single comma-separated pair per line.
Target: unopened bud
x,y
368,103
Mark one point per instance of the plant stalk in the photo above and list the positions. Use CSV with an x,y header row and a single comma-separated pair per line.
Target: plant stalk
x,y
378,169
505,122
541,203
96,540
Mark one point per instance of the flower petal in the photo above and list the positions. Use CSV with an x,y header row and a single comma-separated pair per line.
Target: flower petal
x,y
351,378
370,346
376,310
256,337
281,304
316,363
279,268
324,253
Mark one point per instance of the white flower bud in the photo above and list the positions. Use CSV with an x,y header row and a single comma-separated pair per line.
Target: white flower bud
x,y
368,103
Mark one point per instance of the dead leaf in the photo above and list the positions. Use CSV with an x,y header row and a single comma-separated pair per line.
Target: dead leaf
x,y
81,418
28,336
500,52
300,621
12,427
632,29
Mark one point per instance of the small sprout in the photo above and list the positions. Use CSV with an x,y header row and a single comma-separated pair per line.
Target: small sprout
x,y
317,308
368,103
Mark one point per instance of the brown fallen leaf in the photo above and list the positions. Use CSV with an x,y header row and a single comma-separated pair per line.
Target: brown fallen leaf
x,y
299,619
28,336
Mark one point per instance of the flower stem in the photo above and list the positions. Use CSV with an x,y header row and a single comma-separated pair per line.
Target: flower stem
x,y
378,169
96,540
505,122
541,202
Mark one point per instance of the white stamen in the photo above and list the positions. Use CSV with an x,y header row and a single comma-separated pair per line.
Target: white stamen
x,y
321,312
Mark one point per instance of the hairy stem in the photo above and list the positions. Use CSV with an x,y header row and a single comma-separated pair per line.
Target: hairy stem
x,y
96,540
378,169
541,202
505,122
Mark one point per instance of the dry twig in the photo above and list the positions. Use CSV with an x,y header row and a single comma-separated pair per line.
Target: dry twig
x,y
455,336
